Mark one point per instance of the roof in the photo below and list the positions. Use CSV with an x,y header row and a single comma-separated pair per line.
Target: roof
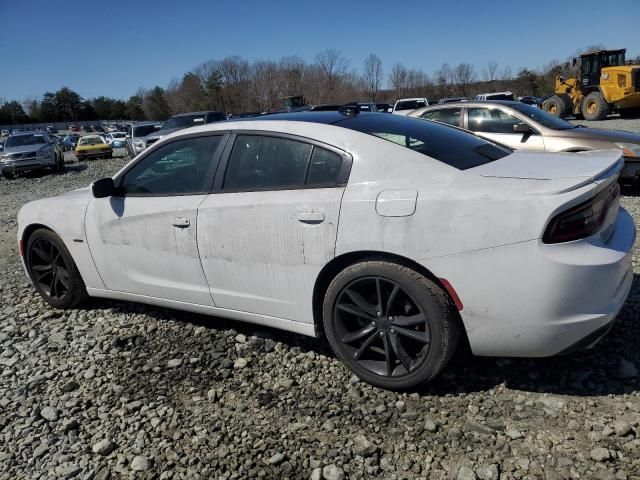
x,y
194,113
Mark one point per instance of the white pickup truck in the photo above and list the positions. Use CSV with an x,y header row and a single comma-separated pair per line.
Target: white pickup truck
x,y
406,105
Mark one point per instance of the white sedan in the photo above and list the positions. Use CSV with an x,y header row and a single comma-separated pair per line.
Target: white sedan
x,y
395,238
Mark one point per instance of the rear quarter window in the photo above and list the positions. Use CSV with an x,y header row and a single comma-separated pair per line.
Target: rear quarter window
x,y
448,145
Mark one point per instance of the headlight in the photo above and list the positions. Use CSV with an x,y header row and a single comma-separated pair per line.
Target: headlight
x,y
629,149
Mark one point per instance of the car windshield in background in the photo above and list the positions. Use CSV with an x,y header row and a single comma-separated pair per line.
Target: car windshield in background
x,y
23,140
184,121
144,130
449,145
543,118
410,105
118,135
91,141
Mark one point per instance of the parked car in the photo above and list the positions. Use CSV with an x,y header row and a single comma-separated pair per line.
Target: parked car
x,y
452,100
70,141
52,129
394,237
405,105
74,128
4,132
30,151
136,134
529,100
184,120
492,97
384,107
116,139
92,146
524,127
87,128
1,145
98,128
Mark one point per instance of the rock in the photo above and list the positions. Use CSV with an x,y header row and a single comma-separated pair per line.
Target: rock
x,y
513,433
627,369
103,474
49,414
316,474
104,447
40,451
212,395
332,472
67,470
488,472
363,446
240,338
600,454
70,386
276,459
174,362
430,425
622,428
140,463
240,363
223,451
466,473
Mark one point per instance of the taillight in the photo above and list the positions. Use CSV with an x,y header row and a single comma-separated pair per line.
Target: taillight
x,y
583,220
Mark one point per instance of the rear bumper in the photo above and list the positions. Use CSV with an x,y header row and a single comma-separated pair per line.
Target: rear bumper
x,y
100,154
536,300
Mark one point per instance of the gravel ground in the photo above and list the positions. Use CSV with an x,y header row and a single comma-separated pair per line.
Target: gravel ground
x,y
120,390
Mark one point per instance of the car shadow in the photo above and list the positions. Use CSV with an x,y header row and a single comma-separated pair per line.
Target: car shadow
x,y
611,367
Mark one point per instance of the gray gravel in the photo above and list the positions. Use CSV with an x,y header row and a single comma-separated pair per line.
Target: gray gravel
x,y
120,390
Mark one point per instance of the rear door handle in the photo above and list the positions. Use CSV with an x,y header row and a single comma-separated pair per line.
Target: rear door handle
x,y
181,222
311,218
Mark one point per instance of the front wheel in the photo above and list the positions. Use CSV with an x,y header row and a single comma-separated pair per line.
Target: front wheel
x,y
53,271
393,327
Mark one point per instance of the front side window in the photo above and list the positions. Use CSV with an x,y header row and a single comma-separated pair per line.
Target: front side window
x,y
449,116
491,120
182,167
260,162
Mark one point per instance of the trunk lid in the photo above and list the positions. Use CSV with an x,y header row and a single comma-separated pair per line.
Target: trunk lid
x,y
555,172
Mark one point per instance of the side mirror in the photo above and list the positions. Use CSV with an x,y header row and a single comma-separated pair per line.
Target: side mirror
x,y
103,187
521,128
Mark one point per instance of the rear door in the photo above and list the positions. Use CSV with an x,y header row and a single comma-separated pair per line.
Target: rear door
x,y
496,124
271,223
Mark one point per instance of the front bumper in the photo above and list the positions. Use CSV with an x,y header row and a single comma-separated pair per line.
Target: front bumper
x,y
536,300
20,165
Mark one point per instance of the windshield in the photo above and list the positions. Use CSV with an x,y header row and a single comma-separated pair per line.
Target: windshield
x,y
91,140
143,130
183,121
449,145
22,140
543,118
410,104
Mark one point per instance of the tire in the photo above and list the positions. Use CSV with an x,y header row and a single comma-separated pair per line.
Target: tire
x,y
595,107
556,106
427,328
9,175
629,112
47,257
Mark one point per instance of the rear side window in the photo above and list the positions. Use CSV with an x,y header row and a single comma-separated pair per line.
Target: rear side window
x,y
449,116
454,147
491,120
260,162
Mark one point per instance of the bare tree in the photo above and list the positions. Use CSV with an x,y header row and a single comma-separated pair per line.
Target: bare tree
x,y
464,75
333,66
398,79
292,70
489,73
373,75
506,73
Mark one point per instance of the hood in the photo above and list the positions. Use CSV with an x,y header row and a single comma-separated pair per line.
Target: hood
x,y
161,133
555,172
24,148
599,134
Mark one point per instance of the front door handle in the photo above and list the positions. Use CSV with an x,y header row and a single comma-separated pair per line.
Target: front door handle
x,y
311,218
181,222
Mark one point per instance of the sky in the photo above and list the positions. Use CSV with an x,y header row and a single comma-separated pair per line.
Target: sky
x,y
113,48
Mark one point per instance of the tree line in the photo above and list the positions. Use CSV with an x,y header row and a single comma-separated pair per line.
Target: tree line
x,y
235,85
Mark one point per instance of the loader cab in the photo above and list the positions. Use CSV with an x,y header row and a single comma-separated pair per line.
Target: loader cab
x,y
592,63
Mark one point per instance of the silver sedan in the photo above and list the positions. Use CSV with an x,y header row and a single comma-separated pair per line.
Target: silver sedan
x,y
523,127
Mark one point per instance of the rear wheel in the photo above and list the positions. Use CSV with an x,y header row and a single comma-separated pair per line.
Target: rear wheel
x,y
595,107
556,106
393,327
53,271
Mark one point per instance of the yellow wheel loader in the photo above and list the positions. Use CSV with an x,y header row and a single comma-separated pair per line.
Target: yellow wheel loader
x,y
604,84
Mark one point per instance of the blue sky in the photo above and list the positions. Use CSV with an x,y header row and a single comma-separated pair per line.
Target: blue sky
x,y
112,48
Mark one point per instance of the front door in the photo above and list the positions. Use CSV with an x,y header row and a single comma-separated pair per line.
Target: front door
x,y
271,227
144,242
497,125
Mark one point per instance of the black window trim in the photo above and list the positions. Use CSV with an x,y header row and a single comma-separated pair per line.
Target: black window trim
x,y
213,169
343,175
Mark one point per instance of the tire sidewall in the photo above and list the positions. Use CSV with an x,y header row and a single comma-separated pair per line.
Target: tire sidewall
x,y
419,294
68,298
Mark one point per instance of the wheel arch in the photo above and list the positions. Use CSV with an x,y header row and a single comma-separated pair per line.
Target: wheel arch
x,y
29,229
339,263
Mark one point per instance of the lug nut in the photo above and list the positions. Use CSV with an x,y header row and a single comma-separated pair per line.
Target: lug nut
x,y
373,324
391,319
381,334
392,330
379,314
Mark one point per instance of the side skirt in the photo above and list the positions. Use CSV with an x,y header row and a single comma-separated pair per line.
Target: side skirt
x,y
280,323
